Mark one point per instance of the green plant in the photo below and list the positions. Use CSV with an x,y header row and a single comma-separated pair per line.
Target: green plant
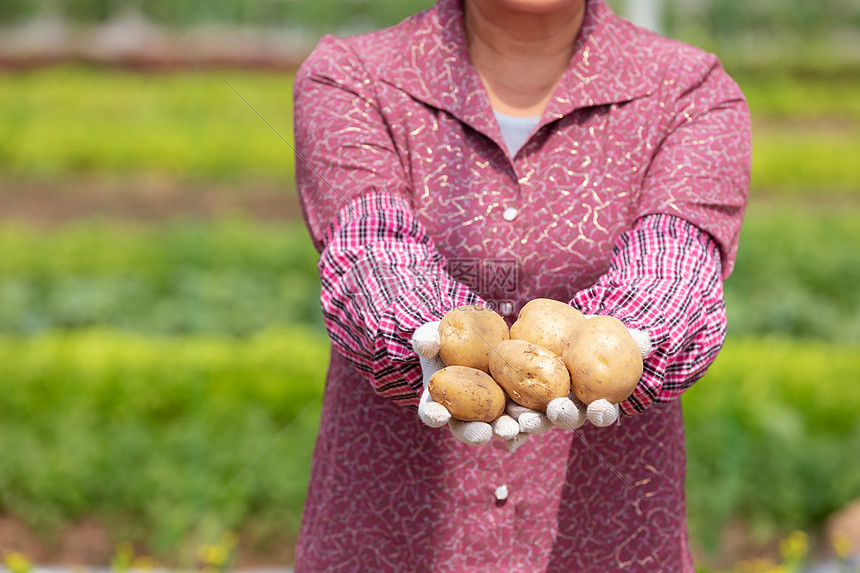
x,y
165,430
77,120
122,558
231,277
795,272
769,429
806,160
788,98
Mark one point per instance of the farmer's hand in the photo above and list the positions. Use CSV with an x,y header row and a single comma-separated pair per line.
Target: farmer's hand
x,y
570,413
426,343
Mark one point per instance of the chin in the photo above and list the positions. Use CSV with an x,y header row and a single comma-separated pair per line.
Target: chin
x,y
542,7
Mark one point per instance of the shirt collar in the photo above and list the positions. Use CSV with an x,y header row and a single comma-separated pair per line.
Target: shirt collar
x,y
606,67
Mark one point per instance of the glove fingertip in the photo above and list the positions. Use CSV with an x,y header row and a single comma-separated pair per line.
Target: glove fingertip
x,y
472,433
434,414
534,423
565,414
426,341
642,340
505,427
602,413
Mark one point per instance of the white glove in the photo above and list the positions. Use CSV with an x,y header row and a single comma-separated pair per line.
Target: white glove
x,y
529,421
569,413
426,343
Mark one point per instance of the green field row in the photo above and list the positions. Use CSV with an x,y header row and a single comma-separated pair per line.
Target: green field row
x,y
70,121
148,434
768,429
77,120
309,16
795,267
796,275
229,278
789,97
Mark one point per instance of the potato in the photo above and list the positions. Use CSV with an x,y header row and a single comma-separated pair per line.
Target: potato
x,y
603,360
548,323
468,334
530,374
469,394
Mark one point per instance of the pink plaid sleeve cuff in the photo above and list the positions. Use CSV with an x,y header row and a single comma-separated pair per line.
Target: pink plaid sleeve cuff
x,y
664,279
381,279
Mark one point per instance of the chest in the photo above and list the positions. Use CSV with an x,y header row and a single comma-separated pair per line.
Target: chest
x,y
544,221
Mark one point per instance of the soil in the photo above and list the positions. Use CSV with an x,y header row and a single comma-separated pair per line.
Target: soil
x,y
89,543
143,199
84,543
153,199
734,545
811,126
846,523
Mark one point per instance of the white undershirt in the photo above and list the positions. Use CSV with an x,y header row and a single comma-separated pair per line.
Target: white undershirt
x,y
515,130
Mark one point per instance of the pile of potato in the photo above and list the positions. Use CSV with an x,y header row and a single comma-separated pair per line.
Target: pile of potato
x,y
550,350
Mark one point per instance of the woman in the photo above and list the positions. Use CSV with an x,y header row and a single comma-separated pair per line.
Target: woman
x,y
493,152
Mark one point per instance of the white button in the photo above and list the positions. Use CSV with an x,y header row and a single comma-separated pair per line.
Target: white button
x,y
510,214
506,308
502,493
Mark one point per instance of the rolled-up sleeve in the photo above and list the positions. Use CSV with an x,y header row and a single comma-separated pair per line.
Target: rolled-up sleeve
x,y
666,273
381,275
664,279
381,279
700,170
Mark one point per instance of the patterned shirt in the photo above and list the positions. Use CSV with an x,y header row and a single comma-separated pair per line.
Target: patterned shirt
x,y
626,200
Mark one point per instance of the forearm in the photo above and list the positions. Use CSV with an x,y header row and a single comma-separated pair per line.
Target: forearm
x,y
381,279
664,279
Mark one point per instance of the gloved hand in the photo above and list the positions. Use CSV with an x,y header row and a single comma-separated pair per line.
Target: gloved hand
x,y
569,413
426,343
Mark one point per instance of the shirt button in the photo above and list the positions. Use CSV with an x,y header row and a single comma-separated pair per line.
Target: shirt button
x,y
510,214
506,308
501,493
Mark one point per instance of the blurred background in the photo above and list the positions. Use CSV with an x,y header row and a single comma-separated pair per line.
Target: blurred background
x,y
162,353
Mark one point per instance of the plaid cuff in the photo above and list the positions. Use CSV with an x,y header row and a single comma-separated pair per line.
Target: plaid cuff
x,y
664,279
382,278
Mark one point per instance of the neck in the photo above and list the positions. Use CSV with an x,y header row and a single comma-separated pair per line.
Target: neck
x,y
521,50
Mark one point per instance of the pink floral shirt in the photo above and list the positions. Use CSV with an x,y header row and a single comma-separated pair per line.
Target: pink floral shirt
x,y
627,199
